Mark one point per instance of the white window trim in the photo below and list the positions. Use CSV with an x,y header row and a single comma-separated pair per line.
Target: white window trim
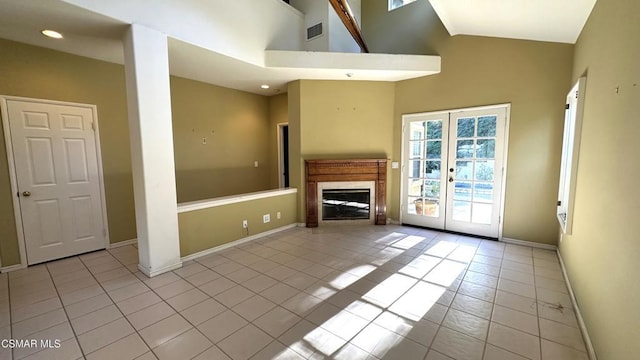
x,y
570,154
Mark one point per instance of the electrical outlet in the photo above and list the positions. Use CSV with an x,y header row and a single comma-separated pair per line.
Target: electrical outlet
x,y
278,215
245,224
266,218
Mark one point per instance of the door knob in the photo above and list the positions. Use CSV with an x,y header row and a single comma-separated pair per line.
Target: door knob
x,y
26,193
451,179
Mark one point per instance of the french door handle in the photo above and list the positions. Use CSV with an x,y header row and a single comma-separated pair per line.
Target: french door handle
x,y
450,178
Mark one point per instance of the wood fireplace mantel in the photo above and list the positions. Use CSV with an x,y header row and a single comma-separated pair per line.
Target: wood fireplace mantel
x,y
346,170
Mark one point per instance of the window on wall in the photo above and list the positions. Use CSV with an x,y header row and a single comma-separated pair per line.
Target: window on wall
x,y
570,151
394,4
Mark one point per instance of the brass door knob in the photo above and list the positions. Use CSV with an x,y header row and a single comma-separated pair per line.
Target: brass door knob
x,y
26,193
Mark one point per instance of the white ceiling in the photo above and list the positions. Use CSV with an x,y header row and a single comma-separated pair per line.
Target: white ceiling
x,y
541,20
234,57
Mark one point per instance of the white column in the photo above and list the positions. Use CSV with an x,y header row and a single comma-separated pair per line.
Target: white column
x,y
151,135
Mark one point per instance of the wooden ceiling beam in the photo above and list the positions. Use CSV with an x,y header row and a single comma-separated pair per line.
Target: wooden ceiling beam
x,y
344,13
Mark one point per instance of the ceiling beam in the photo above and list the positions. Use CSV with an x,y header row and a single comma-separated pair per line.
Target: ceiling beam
x,y
344,13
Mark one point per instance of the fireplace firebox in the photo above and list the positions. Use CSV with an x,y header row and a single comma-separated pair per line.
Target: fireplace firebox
x,y
346,204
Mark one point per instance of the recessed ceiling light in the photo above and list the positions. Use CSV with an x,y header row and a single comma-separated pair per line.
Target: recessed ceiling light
x,y
51,33
265,86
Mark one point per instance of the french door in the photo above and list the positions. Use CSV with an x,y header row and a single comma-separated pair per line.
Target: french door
x,y
452,173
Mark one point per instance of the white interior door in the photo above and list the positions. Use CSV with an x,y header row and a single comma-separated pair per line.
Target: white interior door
x,y
56,170
453,170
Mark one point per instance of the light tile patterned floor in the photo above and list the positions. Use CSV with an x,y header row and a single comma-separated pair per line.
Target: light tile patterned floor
x,y
361,292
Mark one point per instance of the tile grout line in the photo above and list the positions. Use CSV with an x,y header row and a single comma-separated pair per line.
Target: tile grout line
x,y
65,310
115,304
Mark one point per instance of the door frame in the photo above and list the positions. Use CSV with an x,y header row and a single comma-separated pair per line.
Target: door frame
x,y
13,176
280,127
507,107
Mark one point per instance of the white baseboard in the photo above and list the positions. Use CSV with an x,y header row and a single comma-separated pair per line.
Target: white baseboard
x,y
123,243
393,221
529,243
162,270
301,224
583,327
12,268
237,242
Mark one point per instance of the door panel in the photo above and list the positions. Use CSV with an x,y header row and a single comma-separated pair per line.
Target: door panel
x,y
474,183
57,175
424,195
452,170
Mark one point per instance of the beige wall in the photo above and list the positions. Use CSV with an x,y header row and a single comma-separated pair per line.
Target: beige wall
x,y
207,228
237,128
602,254
235,123
339,119
34,72
534,78
412,29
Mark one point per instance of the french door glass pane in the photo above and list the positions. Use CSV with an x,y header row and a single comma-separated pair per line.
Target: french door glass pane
x,y
432,169
434,149
466,127
412,208
483,192
432,189
487,126
416,149
481,213
462,190
464,170
434,130
486,149
415,187
461,211
417,130
484,170
464,149
414,168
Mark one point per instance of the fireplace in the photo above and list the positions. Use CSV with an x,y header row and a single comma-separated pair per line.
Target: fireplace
x,y
354,204
346,191
342,202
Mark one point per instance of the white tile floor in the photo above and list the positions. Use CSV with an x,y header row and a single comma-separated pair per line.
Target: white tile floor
x,y
365,292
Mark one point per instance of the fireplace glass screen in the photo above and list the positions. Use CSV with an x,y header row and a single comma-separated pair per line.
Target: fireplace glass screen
x,y
346,204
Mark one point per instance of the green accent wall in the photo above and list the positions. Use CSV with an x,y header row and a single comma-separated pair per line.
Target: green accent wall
x,y
602,254
338,120
533,77
35,72
235,123
207,228
236,127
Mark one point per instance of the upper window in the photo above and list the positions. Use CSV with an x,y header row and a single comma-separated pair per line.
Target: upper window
x,y
394,4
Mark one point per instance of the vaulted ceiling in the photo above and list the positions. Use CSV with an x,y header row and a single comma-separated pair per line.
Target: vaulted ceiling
x,y
541,20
